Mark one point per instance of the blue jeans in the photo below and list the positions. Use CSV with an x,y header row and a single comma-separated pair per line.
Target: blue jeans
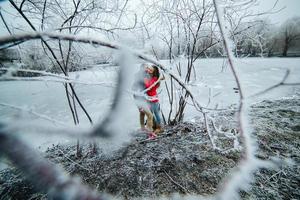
x,y
155,109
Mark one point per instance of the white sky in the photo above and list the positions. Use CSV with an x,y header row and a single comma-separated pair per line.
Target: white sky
x,y
291,8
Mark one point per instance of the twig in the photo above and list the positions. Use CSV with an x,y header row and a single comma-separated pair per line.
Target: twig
x,y
53,55
273,175
34,71
4,22
281,83
45,175
90,27
185,190
209,133
249,163
236,143
227,134
266,146
63,80
73,160
155,139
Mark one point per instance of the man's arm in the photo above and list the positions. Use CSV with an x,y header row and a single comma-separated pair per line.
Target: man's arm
x,y
162,77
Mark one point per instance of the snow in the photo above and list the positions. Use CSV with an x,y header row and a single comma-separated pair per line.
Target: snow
x,y
48,98
256,75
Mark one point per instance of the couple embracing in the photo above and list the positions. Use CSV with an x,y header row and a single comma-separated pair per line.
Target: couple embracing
x,y
145,86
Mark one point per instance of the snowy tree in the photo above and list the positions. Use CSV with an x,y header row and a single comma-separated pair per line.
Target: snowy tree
x,y
290,33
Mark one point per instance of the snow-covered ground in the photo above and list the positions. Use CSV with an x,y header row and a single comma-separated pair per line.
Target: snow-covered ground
x,y
214,81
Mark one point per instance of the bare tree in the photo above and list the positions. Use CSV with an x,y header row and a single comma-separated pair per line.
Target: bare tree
x,y
255,39
290,34
72,17
189,29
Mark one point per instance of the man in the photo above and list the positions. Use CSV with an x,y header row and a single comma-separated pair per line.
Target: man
x,y
141,99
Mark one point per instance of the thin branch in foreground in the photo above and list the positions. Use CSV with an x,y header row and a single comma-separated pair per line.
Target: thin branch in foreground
x,y
249,163
185,190
113,121
45,175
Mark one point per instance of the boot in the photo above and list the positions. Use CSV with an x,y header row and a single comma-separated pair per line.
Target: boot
x,y
154,123
142,120
158,129
149,120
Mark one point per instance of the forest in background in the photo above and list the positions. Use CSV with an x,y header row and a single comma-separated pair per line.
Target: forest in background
x,y
165,30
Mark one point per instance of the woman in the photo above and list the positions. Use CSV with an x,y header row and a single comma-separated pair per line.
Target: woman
x,y
152,84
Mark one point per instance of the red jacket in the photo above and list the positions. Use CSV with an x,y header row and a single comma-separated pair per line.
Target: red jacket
x,y
152,93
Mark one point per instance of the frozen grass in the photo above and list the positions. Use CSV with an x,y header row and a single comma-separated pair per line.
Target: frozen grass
x,y
183,161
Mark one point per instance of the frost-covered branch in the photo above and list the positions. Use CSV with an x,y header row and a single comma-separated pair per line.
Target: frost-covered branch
x,y
46,176
44,42
249,163
46,78
113,122
43,79
236,144
89,27
209,132
94,41
39,72
111,30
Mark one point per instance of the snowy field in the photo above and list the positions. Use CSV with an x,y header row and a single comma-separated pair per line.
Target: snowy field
x,y
213,87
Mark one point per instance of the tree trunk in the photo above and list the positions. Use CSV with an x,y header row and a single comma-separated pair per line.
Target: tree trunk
x,y
286,47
